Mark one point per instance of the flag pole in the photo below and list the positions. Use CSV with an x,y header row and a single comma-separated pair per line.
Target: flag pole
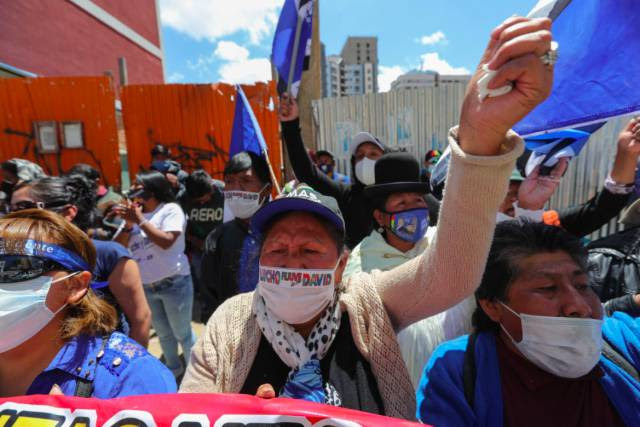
x,y
263,144
294,53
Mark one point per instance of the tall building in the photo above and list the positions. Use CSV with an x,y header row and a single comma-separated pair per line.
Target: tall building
x,y
416,79
355,70
120,38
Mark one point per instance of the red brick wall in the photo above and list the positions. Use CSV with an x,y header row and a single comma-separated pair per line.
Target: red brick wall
x,y
139,15
56,38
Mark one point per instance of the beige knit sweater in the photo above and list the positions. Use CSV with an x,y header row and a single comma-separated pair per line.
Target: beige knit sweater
x,y
381,303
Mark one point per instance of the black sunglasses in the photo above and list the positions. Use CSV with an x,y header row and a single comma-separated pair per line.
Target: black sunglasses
x,y
18,268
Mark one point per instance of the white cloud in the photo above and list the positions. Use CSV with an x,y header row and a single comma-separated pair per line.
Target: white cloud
x,y
246,71
386,75
236,67
175,77
435,38
230,51
213,19
433,62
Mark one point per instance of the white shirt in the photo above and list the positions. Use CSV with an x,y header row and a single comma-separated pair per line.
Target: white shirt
x,y
157,263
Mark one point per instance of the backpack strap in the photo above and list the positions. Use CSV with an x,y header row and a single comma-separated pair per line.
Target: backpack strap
x,y
469,370
613,355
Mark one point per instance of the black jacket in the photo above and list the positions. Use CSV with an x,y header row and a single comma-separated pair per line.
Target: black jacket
x,y
356,208
588,217
221,264
614,269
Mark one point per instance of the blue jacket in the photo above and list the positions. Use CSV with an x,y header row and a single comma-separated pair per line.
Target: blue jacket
x,y
121,367
440,396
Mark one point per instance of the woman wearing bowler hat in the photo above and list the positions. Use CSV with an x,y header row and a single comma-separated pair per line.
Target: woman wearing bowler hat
x,y
401,216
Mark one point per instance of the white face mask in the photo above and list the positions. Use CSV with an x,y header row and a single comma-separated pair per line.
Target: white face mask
x,y
563,346
23,312
243,204
296,295
366,171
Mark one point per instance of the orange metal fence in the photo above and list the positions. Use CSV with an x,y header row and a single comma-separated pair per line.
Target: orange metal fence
x,y
195,121
60,101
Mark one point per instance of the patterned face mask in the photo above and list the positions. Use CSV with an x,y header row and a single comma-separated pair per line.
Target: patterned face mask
x,y
409,225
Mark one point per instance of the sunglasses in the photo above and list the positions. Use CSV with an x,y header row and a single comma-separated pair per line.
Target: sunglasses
x,y
18,268
25,204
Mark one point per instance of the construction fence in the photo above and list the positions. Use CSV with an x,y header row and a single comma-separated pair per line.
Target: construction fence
x,y
419,119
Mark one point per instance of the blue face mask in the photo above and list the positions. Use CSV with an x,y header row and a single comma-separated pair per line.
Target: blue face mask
x,y
326,168
409,225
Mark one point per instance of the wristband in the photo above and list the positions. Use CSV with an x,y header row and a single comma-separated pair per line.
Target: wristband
x,y
617,188
144,221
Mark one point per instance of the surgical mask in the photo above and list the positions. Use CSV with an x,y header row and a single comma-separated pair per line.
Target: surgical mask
x,y
366,171
410,225
23,312
296,295
563,346
243,204
326,168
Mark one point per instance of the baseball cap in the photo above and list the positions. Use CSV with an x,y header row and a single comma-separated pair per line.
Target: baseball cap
x,y
301,198
361,138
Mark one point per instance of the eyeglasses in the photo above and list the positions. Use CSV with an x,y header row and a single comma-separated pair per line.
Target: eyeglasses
x,y
18,268
25,204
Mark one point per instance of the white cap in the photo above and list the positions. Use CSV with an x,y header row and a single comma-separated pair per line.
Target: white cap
x,y
361,138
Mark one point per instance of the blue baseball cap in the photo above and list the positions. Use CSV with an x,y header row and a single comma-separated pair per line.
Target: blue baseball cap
x,y
301,198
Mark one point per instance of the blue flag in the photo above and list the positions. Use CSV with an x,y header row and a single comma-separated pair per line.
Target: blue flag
x,y
284,41
547,149
597,73
246,134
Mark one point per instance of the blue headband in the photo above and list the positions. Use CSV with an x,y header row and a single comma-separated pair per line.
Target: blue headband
x,y
64,257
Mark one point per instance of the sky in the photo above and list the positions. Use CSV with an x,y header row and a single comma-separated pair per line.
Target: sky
x,y
208,41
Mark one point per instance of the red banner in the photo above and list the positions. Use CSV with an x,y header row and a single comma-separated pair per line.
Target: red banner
x,y
181,410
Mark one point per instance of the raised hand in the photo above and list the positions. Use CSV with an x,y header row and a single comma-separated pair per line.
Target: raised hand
x,y
514,52
288,108
624,166
536,190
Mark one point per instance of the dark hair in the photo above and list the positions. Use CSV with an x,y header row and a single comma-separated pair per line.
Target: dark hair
x,y
245,160
512,242
84,169
10,167
157,185
58,192
160,149
198,183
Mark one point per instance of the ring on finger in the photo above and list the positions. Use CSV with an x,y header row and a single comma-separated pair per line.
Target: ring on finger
x,y
551,56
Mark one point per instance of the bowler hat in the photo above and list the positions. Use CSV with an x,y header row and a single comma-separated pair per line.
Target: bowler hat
x,y
396,173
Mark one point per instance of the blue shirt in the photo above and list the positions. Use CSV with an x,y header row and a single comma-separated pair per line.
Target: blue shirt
x,y
338,177
440,395
108,254
120,367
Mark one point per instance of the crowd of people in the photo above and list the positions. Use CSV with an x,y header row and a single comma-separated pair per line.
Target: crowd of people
x,y
377,292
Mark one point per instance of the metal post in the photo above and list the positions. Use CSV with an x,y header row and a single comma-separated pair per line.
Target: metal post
x,y
122,69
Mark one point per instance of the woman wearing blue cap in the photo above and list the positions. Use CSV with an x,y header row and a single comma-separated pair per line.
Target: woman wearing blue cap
x,y
305,332
56,336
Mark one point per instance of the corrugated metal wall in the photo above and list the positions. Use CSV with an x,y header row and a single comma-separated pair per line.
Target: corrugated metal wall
x,y
419,119
195,121
586,174
89,100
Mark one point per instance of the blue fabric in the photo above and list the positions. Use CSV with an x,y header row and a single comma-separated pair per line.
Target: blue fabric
x,y
245,134
594,78
108,254
547,143
137,372
248,265
284,39
338,177
62,256
171,303
305,383
440,395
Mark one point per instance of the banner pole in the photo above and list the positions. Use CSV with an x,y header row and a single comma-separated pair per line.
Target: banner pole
x,y
294,53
